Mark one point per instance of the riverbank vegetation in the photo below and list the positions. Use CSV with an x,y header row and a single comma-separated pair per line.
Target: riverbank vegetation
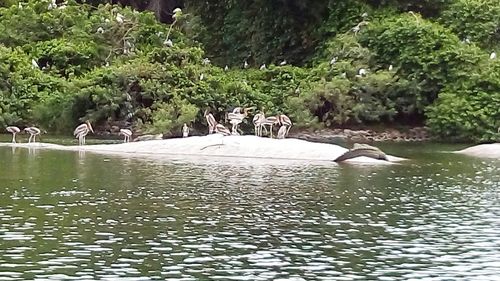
x,y
325,64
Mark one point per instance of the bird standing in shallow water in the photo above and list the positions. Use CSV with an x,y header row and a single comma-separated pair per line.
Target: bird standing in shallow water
x,y
127,134
33,131
81,131
13,130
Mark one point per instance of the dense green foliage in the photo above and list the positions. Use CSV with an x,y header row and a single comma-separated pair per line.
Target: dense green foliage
x,y
114,66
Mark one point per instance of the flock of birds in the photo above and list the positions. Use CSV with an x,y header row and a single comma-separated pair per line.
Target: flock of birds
x,y
235,117
260,121
80,133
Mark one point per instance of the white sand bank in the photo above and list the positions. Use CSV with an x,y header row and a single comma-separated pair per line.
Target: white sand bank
x,y
491,150
219,146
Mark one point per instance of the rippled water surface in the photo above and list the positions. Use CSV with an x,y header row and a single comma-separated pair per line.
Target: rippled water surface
x,y
83,216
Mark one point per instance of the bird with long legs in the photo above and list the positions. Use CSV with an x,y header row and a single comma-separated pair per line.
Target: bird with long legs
x,y
270,121
81,131
257,121
210,121
13,130
33,131
284,120
126,133
236,118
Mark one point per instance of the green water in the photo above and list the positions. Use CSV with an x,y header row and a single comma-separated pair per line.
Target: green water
x,y
83,216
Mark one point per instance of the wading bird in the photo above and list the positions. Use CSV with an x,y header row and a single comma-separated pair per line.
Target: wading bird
x,y
236,118
81,131
226,68
284,120
220,129
13,130
258,119
210,121
270,121
390,67
33,131
262,67
282,132
185,131
127,134
283,62
245,65
493,56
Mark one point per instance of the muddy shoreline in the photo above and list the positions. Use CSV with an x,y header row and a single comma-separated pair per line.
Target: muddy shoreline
x,y
415,134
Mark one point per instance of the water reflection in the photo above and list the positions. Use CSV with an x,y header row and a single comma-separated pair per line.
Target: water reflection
x,y
66,215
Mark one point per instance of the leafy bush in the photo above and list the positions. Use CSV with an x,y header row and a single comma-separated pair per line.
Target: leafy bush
x,y
423,52
469,111
474,20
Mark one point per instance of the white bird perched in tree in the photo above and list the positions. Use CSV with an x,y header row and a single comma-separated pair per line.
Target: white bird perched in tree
x,y
127,134
390,67
226,68
33,131
168,43
262,67
210,121
52,5
206,61
282,132
120,18
245,65
19,5
333,60
343,75
283,62
100,30
362,72
364,15
201,76
357,28
176,13
13,130
81,131
34,64
185,131
493,56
